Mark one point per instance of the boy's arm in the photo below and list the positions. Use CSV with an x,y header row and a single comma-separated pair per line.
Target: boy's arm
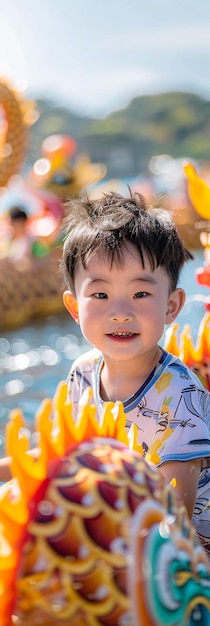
x,y
186,475
5,473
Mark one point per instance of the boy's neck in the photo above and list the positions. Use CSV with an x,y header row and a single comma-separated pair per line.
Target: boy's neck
x,y
121,379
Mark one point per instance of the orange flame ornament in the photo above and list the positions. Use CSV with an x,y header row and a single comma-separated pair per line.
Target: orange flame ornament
x,y
197,356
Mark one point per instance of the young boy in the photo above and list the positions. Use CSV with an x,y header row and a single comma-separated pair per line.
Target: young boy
x,y
121,262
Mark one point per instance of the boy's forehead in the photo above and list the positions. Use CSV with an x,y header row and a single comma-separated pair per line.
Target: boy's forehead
x,y
129,268
129,256
128,253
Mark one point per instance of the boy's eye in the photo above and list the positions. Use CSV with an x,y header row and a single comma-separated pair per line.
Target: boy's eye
x,y
140,294
100,295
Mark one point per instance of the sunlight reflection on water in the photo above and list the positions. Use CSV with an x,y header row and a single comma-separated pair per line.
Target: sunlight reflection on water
x,y
35,358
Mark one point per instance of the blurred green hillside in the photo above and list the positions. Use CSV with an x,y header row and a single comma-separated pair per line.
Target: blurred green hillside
x,y
173,123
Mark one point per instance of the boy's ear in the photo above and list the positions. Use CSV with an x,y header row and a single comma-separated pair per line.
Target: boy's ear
x,y
71,305
176,301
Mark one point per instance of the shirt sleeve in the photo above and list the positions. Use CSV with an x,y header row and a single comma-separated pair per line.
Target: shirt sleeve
x,y
80,377
190,433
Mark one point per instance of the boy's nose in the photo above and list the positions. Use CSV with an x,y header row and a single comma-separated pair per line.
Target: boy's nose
x,y
121,316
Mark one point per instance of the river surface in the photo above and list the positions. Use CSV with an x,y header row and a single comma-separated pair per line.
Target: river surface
x,y
35,358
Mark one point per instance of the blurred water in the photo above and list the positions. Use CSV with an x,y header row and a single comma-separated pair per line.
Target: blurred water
x,y
35,358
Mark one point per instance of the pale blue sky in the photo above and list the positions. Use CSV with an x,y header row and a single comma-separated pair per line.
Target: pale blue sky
x,y
95,55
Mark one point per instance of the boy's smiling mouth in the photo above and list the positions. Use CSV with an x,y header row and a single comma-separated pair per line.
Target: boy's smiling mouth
x,y
122,334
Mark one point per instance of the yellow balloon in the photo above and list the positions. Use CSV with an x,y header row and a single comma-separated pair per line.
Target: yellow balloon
x,y
198,191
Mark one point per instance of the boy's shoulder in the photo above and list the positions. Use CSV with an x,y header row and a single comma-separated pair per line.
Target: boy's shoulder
x,y
183,371
87,360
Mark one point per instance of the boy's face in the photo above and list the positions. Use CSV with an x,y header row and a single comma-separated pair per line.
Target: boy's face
x,y
122,310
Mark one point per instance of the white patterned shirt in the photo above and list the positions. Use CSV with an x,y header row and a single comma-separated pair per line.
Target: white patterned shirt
x,y
173,396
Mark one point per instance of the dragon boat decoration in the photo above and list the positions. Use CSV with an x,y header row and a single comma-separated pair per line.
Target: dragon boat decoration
x,y
90,534
29,292
28,287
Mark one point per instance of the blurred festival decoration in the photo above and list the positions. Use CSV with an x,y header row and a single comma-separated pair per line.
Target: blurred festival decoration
x,y
91,534
170,185
196,356
198,190
27,288
44,210
16,114
199,193
30,284
60,171
39,286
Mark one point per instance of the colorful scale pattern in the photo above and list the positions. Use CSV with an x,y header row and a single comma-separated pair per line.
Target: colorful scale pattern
x,y
90,534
